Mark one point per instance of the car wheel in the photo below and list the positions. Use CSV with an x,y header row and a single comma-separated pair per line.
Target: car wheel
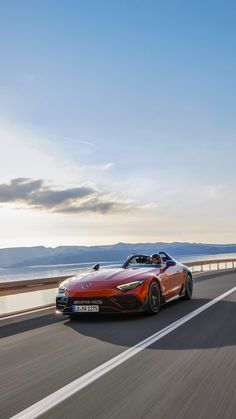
x,y
188,292
154,299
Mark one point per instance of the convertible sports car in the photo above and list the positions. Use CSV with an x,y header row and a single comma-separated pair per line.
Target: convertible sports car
x,y
139,285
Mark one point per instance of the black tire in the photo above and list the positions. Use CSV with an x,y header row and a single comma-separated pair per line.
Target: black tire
x,y
154,299
188,289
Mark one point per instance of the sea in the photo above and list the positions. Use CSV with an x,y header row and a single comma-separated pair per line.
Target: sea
x,y
50,271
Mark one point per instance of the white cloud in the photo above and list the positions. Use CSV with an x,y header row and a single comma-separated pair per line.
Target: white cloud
x,y
20,156
25,153
169,208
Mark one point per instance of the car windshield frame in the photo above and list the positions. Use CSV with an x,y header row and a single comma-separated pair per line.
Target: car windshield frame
x,y
144,265
144,261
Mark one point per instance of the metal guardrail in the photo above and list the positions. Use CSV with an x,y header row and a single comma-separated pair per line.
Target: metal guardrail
x,y
33,282
213,264
44,283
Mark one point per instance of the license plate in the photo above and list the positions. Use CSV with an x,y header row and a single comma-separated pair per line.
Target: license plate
x,y
85,309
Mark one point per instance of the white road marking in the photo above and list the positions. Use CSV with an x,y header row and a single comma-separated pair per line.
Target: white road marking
x,y
75,386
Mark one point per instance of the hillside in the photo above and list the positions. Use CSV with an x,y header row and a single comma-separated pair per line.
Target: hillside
x,y
40,255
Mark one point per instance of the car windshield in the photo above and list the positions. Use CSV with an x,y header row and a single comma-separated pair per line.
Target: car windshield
x,y
142,262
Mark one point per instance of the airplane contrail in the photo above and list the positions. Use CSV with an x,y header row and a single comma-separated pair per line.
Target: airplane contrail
x,y
77,140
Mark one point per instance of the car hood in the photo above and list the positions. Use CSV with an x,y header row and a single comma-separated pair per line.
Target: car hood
x,y
109,278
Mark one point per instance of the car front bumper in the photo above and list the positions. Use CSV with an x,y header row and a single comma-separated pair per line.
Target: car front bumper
x,y
113,304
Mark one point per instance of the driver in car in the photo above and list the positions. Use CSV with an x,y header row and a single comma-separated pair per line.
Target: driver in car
x,y
156,259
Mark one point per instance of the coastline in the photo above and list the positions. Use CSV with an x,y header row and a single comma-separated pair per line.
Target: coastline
x,y
49,271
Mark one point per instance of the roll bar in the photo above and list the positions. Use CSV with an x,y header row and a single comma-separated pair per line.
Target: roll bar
x,y
146,258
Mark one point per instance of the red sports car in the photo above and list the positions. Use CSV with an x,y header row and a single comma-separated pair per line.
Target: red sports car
x,y
143,283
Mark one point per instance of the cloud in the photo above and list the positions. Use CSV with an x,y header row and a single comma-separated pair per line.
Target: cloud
x,y
96,167
37,195
19,189
98,205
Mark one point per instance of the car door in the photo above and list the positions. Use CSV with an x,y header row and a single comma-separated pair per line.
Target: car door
x,y
171,281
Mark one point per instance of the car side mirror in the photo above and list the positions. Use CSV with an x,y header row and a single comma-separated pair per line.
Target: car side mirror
x,y
170,263
96,267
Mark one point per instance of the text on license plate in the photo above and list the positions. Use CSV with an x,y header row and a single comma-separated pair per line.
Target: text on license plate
x,y
85,309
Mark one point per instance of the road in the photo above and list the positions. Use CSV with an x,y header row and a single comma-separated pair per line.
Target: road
x,y
189,373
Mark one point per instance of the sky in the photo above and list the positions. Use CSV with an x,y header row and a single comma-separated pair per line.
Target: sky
x,y
117,122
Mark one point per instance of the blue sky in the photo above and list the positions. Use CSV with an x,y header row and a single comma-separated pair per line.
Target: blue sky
x,y
133,99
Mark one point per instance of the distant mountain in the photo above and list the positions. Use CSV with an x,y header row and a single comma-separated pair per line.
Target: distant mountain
x,y
16,255
40,255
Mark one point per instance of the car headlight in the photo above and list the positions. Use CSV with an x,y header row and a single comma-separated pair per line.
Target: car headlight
x,y
129,286
62,290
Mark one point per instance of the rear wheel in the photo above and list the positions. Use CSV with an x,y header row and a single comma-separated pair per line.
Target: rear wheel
x,y
188,292
154,299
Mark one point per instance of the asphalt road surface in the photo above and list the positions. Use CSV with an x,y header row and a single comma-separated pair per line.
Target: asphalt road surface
x,y
188,373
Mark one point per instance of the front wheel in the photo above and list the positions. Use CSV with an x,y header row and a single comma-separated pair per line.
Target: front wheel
x,y
154,299
188,292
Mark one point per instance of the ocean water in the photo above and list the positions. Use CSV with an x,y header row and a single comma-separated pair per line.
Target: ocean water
x,y
49,271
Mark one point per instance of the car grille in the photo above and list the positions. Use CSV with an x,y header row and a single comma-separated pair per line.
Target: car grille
x,y
127,302
106,304
61,302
